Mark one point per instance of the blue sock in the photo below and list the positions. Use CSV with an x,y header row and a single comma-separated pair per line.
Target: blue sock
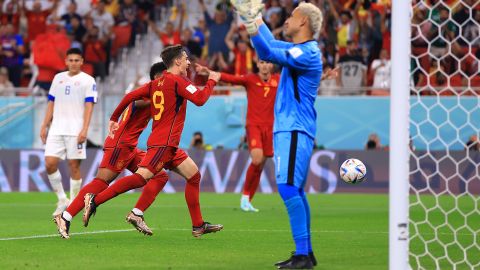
x,y
307,212
297,215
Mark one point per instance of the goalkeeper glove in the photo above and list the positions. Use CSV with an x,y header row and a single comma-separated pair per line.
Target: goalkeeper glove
x,y
249,11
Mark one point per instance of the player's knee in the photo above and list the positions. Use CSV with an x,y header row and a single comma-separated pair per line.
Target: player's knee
x,y
257,161
195,179
51,167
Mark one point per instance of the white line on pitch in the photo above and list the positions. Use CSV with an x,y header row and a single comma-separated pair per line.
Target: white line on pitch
x,y
56,235
184,229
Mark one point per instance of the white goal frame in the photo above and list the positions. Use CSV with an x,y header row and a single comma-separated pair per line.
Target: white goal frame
x,y
399,136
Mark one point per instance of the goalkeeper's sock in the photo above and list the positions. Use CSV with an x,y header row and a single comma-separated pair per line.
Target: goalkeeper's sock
x,y
192,196
307,213
57,186
150,191
297,215
120,186
96,186
75,186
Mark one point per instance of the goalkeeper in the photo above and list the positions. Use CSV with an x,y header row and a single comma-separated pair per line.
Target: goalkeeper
x,y
295,116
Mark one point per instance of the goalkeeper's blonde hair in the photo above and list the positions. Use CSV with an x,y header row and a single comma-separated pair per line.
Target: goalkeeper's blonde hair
x,y
315,16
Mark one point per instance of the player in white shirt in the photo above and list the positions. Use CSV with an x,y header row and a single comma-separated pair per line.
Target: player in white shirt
x,y
69,110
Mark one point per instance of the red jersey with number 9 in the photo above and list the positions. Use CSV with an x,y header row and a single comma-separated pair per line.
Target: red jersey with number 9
x,y
168,106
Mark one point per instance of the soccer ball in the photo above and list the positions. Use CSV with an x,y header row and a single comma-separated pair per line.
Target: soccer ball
x,y
353,171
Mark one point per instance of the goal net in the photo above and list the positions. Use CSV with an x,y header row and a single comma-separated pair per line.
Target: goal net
x,y
444,122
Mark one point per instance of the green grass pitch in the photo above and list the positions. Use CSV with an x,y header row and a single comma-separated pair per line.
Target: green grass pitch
x,y
349,232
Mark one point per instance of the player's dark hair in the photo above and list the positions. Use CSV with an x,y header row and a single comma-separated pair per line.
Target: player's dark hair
x,y
75,51
170,53
156,69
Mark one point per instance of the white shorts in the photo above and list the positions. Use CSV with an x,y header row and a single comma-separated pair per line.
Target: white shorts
x,y
65,146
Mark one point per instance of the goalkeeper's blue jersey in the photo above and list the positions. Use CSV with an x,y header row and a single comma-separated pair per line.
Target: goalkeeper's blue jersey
x,y
299,81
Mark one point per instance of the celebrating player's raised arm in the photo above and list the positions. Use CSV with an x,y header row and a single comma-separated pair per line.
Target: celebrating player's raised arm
x,y
239,80
194,94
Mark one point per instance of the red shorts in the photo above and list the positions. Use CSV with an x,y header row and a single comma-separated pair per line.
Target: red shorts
x,y
118,159
156,158
179,157
260,137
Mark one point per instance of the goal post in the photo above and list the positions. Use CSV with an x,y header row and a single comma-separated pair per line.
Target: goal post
x,y
434,207
399,136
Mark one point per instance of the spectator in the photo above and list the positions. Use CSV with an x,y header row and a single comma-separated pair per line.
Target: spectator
x,y
373,142
199,33
381,74
352,72
197,141
346,27
331,56
76,29
442,34
6,87
11,14
275,25
37,18
102,19
218,28
191,43
128,16
170,36
112,7
243,53
95,52
71,13
12,50
472,144
328,85
274,8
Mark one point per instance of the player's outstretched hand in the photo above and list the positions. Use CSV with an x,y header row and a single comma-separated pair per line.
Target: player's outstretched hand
x,y
248,9
82,136
112,127
214,76
43,134
202,70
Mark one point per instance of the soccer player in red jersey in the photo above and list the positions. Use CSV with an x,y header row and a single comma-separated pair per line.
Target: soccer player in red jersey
x,y
261,91
168,95
120,153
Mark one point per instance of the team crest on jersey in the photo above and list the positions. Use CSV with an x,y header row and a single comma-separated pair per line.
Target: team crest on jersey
x,y
120,164
159,166
254,142
274,83
77,83
160,82
60,82
259,84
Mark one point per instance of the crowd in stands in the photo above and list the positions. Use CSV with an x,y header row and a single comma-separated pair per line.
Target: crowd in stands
x,y
355,39
35,35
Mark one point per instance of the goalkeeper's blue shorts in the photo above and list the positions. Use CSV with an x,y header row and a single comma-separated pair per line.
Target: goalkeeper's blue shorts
x,y
292,152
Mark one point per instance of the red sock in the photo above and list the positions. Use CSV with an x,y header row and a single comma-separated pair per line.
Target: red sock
x,y
151,190
120,186
96,186
252,179
192,196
